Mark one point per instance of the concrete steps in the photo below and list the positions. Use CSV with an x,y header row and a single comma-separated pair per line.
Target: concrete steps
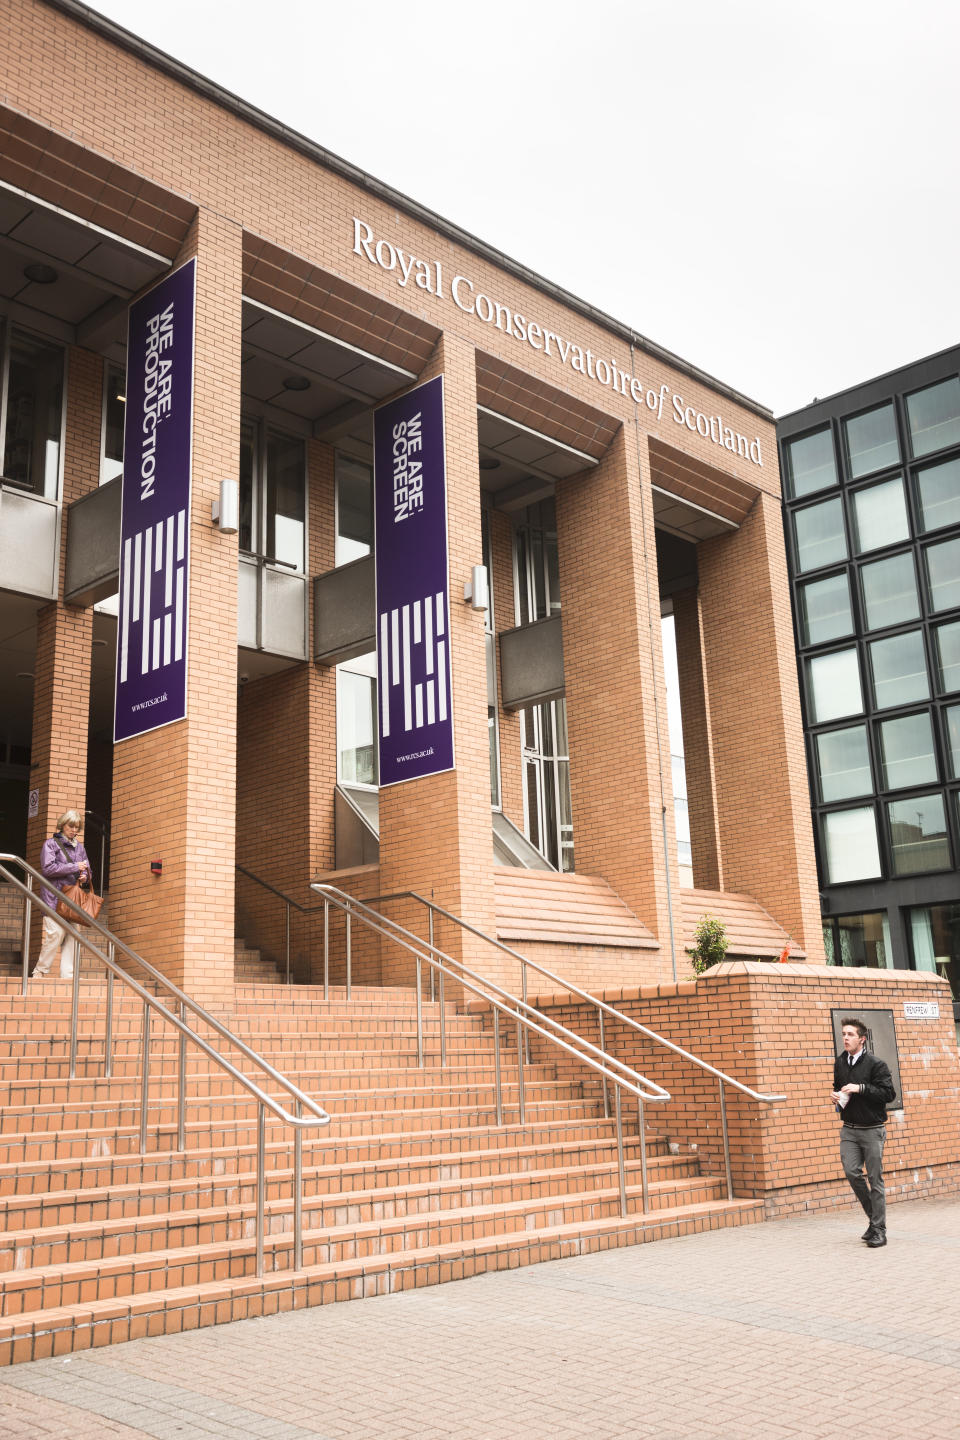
x,y
412,1183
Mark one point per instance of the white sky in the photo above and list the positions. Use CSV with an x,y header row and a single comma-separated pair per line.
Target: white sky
x,y
770,190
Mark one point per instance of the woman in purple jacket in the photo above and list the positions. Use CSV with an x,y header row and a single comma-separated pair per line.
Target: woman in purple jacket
x,y
63,861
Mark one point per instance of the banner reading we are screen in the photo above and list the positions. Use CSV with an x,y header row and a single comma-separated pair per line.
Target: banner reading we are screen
x,y
155,522
413,623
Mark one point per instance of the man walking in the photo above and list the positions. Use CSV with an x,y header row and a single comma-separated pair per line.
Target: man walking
x,y
862,1090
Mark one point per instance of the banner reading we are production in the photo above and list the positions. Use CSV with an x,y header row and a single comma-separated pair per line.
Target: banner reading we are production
x,y
413,625
155,525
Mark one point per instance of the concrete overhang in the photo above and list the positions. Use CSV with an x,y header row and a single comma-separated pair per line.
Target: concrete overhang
x,y
303,371
354,349
103,233
344,620
531,664
93,546
694,500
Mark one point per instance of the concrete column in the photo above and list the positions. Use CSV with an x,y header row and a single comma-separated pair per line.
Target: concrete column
x,y
763,798
61,696
435,833
174,789
616,698
697,743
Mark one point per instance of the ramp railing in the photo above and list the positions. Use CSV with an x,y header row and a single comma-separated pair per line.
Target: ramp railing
x,y
613,1072
604,1011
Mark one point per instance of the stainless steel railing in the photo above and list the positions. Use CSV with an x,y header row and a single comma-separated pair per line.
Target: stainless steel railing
x,y
289,905
612,1071
603,1010
110,946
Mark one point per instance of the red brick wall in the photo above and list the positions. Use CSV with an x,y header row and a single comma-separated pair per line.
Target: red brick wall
x,y
174,788
769,1027
616,697
435,832
763,797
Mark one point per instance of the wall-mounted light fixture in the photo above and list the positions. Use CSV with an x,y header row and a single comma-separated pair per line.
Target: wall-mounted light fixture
x,y
475,590
225,512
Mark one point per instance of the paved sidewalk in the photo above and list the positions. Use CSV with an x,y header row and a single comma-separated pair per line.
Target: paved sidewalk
x,y
771,1332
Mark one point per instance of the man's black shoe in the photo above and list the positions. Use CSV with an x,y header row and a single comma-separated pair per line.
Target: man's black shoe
x,y
869,1233
878,1238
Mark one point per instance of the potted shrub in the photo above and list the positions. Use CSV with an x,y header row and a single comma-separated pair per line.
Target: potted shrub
x,y
710,945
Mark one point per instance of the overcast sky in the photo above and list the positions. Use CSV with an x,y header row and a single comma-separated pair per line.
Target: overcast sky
x,y
768,189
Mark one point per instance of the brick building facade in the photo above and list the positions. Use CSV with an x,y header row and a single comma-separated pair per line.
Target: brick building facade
x,y
601,479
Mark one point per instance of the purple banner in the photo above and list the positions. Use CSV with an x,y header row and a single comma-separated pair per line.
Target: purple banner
x,y
155,525
413,623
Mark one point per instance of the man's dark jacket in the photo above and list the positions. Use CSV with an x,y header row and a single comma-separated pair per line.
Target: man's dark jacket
x,y
873,1074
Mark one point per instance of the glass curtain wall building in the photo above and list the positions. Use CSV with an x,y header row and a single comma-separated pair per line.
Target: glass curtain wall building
x,y
871,484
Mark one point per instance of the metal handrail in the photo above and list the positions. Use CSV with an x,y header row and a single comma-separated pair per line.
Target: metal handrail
x,y
289,902
644,1090
177,1018
569,988
602,1008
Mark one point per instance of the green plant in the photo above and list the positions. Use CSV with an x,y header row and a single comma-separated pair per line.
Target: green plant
x,y
711,943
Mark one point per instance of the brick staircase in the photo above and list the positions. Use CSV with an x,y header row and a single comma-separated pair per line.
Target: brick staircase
x,y
413,1182
250,967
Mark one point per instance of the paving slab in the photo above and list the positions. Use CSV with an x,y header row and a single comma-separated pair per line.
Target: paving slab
x,y
790,1330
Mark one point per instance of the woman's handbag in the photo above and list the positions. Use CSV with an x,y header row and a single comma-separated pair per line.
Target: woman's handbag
x,y
88,901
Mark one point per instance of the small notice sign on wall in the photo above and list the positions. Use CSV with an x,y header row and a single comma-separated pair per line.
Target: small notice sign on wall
x,y
921,1009
33,805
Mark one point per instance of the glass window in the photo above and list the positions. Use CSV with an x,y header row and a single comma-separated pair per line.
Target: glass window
x,y
843,763
918,834
825,612
906,751
938,490
864,940
947,638
933,416
820,535
953,741
833,683
114,407
899,670
880,515
935,941
850,845
286,500
357,721
943,574
890,591
871,441
31,448
249,528
354,509
810,463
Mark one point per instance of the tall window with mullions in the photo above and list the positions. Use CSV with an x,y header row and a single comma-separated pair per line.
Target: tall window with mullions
x,y
548,811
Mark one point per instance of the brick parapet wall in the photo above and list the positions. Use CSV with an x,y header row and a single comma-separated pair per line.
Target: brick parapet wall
x,y
769,1027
